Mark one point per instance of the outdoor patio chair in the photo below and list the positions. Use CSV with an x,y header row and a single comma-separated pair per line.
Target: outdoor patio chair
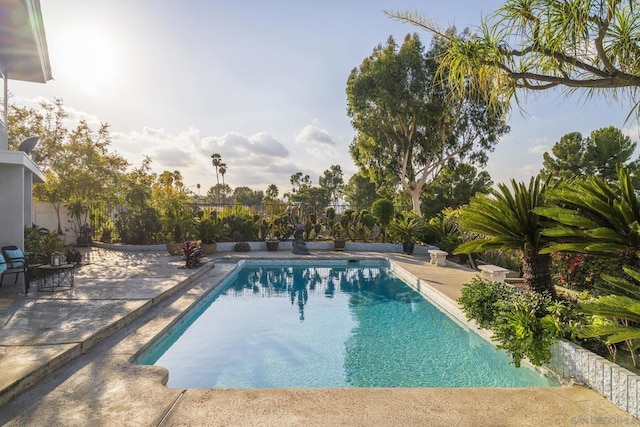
x,y
8,267
13,261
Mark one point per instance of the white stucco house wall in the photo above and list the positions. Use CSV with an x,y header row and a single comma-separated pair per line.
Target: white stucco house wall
x,y
23,56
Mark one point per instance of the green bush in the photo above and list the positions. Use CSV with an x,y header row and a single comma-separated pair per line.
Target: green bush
x,y
479,300
443,233
525,324
383,211
35,239
582,272
240,228
139,227
522,328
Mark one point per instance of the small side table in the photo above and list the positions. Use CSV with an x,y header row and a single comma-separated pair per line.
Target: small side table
x,y
53,277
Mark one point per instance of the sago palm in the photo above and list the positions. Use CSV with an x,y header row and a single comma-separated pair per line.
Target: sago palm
x,y
505,220
616,316
595,217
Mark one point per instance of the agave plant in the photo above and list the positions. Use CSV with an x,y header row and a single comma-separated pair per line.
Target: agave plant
x,y
506,219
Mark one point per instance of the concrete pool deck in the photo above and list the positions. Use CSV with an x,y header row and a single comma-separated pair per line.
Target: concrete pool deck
x,y
64,359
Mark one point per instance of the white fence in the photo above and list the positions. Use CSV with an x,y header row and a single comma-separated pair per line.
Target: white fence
x,y
44,215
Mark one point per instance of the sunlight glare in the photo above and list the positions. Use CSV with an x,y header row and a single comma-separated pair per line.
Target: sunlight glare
x,y
90,57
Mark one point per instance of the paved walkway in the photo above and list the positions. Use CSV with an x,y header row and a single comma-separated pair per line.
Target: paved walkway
x,y
64,359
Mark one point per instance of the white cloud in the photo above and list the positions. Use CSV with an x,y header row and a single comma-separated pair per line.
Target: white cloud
x,y
74,115
632,132
235,145
172,157
313,134
539,149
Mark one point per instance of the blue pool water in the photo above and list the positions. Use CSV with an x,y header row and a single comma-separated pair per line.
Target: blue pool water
x,y
330,325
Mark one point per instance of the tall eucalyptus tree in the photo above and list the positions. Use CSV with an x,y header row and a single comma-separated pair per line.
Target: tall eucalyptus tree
x,y
408,126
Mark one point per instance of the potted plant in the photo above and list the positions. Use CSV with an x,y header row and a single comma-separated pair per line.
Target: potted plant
x,y
191,253
277,231
272,243
177,222
79,214
406,229
336,231
339,241
208,230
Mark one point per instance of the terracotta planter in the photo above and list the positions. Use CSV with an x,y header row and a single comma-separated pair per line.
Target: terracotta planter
x,y
272,245
407,248
208,248
242,247
174,248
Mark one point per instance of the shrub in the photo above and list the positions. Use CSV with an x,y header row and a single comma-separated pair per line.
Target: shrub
x,y
525,324
521,329
582,272
35,238
479,300
140,227
383,212
191,253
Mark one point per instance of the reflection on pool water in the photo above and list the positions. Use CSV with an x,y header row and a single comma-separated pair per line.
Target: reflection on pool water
x,y
326,324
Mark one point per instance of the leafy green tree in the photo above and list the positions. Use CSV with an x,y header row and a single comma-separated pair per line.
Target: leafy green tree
x,y
333,182
79,166
408,126
272,193
608,147
595,217
82,170
247,196
216,161
505,219
567,159
306,193
360,192
453,188
47,123
537,45
219,193
140,223
171,198
576,156
383,211
300,182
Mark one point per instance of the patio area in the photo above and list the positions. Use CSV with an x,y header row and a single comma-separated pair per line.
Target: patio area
x,y
65,359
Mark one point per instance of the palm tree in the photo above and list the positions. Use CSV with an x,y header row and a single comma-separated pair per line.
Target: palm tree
x,y
617,315
596,217
216,160
505,220
223,170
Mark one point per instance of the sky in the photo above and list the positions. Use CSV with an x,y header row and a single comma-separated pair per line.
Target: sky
x,y
261,83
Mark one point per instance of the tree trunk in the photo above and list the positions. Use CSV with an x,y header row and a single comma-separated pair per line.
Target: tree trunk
x,y
536,272
415,199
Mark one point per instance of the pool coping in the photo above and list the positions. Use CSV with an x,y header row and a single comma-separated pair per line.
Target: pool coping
x,y
102,386
445,305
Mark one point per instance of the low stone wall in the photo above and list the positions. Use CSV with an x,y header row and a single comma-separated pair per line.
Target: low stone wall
x,y
568,362
620,386
284,246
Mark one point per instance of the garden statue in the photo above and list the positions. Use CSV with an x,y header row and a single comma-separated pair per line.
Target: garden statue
x,y
299,245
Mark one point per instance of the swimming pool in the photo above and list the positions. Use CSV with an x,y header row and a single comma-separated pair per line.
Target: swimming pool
x,y
327,324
